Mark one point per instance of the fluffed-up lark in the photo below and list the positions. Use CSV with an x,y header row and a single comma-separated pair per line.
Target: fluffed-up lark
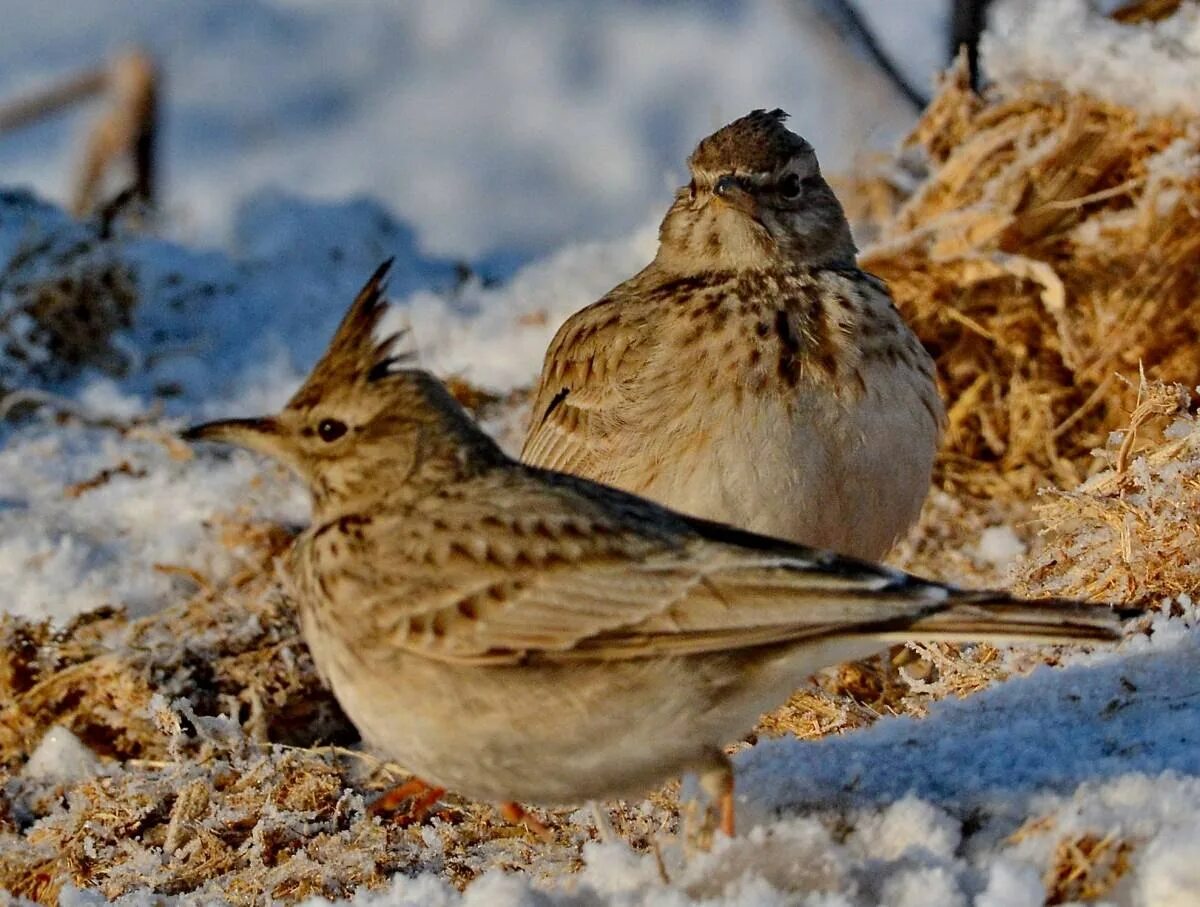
x,y
517,634
752,373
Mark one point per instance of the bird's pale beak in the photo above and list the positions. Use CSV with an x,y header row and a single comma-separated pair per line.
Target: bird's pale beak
x,y
262,435
731,191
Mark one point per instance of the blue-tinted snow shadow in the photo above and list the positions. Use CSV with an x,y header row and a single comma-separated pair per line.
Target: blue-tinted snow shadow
x,y
1051,730
208,324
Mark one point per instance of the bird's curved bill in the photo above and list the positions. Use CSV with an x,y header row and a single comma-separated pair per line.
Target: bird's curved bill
x,y
256,434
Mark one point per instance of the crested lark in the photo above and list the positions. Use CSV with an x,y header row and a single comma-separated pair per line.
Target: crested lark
x,y
516,634
752,373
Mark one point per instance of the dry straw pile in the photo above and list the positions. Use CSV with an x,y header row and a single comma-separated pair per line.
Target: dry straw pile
x,y
1129,533
1047,249
1052,247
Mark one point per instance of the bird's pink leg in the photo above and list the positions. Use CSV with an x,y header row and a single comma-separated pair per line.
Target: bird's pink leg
x,y
517,815
717,781
422,797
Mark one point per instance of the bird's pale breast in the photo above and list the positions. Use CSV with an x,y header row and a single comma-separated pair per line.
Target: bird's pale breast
x,y
796,408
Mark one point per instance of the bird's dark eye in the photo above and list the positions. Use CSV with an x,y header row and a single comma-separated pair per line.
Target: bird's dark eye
x,y
330,430
789,186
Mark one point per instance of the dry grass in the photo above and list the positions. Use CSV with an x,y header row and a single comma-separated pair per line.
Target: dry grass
x,y
1053,246
1050,249
1129,533
232,648
1136,11
902,682
63,296
1084,867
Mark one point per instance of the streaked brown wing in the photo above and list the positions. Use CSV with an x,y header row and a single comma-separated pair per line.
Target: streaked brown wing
x,y
590,378
566,570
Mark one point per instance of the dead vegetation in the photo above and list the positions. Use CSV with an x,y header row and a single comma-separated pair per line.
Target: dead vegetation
x,y
1052,247
1048,253
1129,533
64,295
123,136
1136,11
232,648
1084,867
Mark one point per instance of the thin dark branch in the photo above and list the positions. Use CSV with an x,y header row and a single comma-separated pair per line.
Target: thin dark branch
x,y
108,213
967,21
126,130
847,19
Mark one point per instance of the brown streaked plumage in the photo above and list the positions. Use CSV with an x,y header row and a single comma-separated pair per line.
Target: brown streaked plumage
x,y
752,373
756,143
517,634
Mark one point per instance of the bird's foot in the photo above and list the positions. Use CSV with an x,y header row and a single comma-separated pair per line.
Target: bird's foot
x,y
716,781
517,815
419,797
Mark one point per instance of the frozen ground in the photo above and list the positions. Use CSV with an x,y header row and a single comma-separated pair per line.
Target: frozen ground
x,y
972,805
235,337
968,806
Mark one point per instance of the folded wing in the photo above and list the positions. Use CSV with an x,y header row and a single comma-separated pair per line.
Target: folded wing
x,y
549,573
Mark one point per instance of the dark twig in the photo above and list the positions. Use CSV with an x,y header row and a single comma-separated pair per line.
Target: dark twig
x,y
108,213
127,129
847,19
967,21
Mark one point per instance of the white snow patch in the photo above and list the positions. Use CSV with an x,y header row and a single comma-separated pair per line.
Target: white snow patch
x,y
497,126
1170,873
60,758
1012,884
1152,67
1000,546
905,827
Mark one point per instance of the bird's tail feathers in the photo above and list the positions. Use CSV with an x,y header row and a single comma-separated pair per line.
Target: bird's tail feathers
x,y
996,617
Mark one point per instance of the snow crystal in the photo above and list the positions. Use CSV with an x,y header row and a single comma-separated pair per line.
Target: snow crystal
x,y
1170,872
60,758
1012,884
1000,546
908,824
921,887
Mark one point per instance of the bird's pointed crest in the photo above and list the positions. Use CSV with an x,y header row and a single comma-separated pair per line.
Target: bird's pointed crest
x,y
757,142
354,356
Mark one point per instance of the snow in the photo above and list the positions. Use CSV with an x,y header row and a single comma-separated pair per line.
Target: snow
x,y
60,758
1000,546
235,337
497,127
529,152
1172,869
1150,67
